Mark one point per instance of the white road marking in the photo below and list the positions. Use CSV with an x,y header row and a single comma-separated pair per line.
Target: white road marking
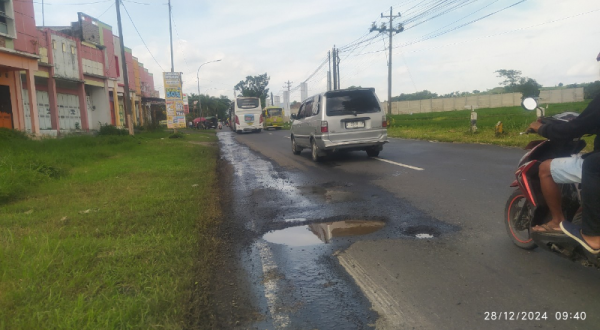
x,y
280,319
400,164
287,137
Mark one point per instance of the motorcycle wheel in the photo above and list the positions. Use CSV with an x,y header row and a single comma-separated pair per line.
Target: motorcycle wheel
x,y
518,220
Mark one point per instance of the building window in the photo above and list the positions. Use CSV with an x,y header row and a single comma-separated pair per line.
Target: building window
x,y
72,49
64,47
53,44
7,24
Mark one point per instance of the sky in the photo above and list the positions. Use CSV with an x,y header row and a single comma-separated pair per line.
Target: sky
x,y
446,46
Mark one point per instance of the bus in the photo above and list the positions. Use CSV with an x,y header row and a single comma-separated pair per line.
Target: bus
x,y
246,115
273,117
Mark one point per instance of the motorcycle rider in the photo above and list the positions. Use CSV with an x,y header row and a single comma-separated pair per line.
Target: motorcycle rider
x,y
575,169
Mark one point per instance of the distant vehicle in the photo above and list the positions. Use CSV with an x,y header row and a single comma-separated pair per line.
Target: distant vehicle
x,y
246,115
273,117
210,122
347,119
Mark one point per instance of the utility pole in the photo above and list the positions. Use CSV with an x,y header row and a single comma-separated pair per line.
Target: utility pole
x,y
329,71
126,104
337,64
391,32
171,37
334,56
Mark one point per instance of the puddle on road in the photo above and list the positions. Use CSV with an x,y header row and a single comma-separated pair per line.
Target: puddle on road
x,y
423,236
322,233
421,232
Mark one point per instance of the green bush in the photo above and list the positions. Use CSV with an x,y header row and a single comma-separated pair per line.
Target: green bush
x,y
107,129
177,135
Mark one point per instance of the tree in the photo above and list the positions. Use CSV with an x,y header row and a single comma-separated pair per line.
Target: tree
x,y
513,82
254,86
528,87
560,84
211,106
423,95
591,90
511,78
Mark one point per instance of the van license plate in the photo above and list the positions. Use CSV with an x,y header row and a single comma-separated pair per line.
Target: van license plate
x,y
355,124
248,117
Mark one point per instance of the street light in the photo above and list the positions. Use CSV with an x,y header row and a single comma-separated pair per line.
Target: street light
x,y
198,77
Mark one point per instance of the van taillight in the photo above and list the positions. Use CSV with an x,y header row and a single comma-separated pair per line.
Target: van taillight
x,y
324,126
383,122
237,120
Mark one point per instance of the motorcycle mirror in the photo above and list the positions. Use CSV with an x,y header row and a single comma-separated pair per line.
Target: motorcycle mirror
x,y
529,104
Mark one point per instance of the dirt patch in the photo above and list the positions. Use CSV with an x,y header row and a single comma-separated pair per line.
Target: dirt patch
x,y
229,304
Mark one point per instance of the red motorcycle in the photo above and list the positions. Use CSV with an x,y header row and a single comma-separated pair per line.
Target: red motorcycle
x,y
526,207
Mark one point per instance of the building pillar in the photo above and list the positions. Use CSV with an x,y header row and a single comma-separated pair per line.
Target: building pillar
x,y
116,104
16,100
33,110
83,107
52,98
141,107
133,111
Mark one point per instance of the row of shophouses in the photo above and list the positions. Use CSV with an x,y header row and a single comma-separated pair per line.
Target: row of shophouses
x,y
66,78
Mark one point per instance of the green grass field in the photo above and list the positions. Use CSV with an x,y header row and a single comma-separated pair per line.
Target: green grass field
x,y
453,126
106,232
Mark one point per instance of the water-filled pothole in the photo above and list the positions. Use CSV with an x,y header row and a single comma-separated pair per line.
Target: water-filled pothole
x,y
421,231
322,233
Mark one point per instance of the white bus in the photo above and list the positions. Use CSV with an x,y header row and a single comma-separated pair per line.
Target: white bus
x,y
246,115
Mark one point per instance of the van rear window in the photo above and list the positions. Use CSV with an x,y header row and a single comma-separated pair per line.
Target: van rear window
x,y
247,103
274,112
350,102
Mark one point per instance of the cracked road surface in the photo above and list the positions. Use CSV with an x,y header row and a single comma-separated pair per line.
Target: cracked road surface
x,y
412,240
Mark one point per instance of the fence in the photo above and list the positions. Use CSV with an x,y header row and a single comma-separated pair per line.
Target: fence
x,y
482,101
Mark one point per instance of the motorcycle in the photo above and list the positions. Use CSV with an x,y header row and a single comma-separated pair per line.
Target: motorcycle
x,y
220,126
526,207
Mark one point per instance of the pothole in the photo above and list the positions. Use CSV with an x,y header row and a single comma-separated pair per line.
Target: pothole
x,y
423,236
421,232
322,233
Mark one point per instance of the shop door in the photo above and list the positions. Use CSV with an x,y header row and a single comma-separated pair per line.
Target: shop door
x,y
5,107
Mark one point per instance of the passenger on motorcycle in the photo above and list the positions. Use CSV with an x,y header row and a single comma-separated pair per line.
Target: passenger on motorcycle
x,y
574,169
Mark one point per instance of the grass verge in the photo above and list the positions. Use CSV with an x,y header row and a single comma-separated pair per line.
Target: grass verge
x,y
107,232
453,126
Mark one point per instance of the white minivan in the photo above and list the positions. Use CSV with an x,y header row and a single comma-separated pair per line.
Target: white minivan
x,y
246,115
347,119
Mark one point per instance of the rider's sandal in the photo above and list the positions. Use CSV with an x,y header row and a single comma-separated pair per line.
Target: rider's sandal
x,y
548,230
574,231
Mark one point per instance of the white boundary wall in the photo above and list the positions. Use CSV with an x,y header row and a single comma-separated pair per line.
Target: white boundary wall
x,y
482,101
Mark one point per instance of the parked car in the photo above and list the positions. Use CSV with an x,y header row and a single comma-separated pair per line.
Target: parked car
x,y
348,119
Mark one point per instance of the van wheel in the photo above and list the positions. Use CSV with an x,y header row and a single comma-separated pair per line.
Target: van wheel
x,y
295,149
315,152
372,152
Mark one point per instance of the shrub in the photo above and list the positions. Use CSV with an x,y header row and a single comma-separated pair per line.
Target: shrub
x,y
12,134
112,130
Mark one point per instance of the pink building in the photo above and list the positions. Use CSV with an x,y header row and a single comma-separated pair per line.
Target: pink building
x,y
74,72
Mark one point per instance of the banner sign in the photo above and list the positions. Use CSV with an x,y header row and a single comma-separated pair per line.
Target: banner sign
x,y
174,100
186,106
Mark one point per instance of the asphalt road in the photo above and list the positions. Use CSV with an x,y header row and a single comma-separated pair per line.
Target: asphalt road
x,y
442,259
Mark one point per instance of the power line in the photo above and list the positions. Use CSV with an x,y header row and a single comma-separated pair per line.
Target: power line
x,y
138,32
107,9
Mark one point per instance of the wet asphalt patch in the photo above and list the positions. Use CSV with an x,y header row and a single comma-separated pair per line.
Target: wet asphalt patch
x,y
299,221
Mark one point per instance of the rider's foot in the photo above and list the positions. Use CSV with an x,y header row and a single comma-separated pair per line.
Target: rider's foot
x,y
550,227
590,243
